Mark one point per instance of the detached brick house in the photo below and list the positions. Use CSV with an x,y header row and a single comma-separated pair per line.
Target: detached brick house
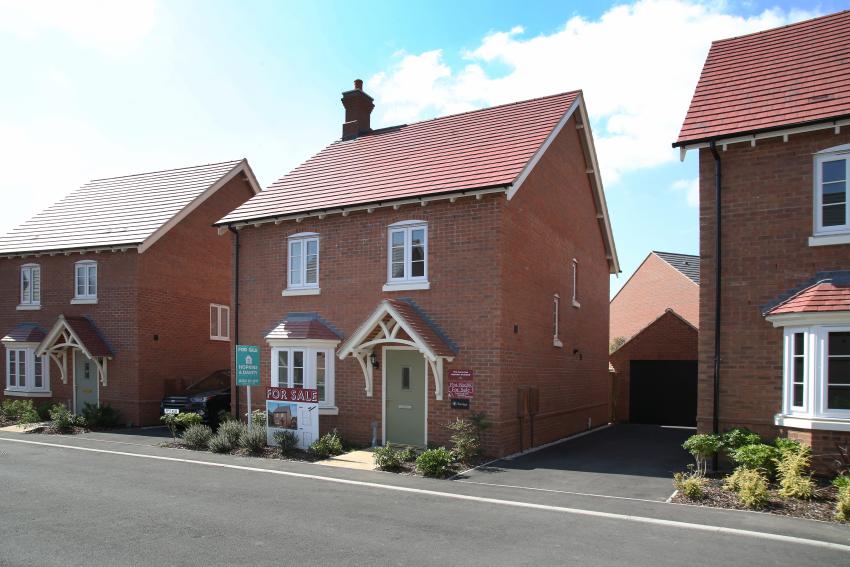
x,y
771,121
121,288
474,245
656,316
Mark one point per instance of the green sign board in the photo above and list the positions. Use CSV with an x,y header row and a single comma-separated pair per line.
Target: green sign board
x,y
247,365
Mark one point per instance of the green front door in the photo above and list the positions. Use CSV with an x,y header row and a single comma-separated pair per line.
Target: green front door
x,y
404,397
85,382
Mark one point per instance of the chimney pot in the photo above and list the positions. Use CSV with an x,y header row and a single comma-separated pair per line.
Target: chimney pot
x,y
358,84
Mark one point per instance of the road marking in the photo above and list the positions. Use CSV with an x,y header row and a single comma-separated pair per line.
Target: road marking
x,y
561,491
482,499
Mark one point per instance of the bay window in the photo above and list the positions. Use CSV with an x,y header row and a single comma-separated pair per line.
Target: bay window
x,y
26,373
305,366
407,257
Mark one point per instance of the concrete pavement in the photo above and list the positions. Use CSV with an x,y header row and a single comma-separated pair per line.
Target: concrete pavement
x,y
127,506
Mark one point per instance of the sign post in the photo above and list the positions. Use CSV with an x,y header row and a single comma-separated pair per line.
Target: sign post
x,y
248,371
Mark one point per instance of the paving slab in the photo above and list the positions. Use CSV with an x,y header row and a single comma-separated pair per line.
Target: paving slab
x,y
361,460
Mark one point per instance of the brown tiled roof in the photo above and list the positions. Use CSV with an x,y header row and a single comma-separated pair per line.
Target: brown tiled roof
x,y
474,150
820,297
302,326
787,76
422,325
117,211
25,333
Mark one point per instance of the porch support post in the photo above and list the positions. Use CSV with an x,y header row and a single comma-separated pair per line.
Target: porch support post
x,y
437,371
363,358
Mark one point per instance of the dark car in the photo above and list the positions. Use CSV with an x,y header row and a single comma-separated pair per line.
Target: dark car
x,y
206,397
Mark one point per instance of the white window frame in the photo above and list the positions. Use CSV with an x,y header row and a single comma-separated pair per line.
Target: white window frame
x,y
830,154
556,326
223,329
28,387
309,348
302,288
816,379
87,296
32,302
407,281
574,282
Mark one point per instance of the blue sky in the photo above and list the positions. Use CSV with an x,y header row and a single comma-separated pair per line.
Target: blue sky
x,y
95,89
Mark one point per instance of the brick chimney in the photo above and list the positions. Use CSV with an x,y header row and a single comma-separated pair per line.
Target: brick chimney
x,y
358,107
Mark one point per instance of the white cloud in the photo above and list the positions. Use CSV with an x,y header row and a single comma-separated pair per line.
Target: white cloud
x,y
690,187
112,26
638,65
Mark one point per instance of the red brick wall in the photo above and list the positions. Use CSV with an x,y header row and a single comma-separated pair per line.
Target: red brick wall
x,y
180,275
668,338
550,221
767,219
114,315
653,288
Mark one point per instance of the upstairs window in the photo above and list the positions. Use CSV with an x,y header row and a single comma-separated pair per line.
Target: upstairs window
x,y
556,315
831,175
85,281
219,322
574,277
30,285
303,263
407,261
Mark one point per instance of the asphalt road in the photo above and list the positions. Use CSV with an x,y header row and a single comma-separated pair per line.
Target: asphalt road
x,y
64,506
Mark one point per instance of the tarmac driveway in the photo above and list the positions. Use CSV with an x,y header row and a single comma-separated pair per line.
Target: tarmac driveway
x,y
623,460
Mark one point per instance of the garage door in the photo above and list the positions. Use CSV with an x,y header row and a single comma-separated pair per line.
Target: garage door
x,y
663,392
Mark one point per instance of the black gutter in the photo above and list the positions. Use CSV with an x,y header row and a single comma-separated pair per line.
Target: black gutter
x,y
715,423
235,305
730,135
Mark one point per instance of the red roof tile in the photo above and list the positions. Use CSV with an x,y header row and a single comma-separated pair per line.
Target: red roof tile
x,y
89,335
473,150
422,326
822,296
25,333
777,78
302,328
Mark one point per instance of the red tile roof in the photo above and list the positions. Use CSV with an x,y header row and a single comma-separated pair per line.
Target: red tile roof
x,y
474,150
787,76
422,326
295,327
119,211
822,296
89,335
25,333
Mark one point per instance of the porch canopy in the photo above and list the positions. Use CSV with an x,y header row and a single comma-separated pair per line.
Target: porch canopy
x,y
75,333
400,322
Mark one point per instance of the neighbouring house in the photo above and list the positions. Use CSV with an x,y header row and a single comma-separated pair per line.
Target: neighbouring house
x,y
654,331
120,289
771,121
400,264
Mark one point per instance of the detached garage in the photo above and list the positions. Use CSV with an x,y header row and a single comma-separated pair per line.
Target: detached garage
x,y
655,374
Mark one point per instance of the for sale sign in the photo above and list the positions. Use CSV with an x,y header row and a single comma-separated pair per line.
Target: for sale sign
x,y
247,365
293,409
461,389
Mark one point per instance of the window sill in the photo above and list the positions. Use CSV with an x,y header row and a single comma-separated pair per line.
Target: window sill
x,y
290,292
829,239
825,423
220,339
406,286
84,301
25,394
328,410
28,307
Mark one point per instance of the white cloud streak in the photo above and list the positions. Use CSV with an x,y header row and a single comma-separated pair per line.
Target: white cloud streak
x,y
690,188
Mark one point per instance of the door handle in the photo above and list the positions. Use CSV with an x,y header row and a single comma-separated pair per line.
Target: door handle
x,y
404,406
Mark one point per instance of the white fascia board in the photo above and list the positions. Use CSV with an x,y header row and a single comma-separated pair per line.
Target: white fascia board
x,y
70,251
302,343
241,167
810,318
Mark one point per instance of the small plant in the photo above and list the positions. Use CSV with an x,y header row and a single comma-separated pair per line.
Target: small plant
x,y
22,411
464,440
224,415
387,458
177,422
760,457
63,421
227,437
791,467
785,445
253,440
258,419
287,441
738,437
481,423
327,445
702,447
751,486
691,485
101,417
841,481
197,436
219,444
435,462
407,455
842,504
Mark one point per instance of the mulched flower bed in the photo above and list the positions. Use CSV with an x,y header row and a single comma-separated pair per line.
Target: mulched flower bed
x,y
268,453
821,507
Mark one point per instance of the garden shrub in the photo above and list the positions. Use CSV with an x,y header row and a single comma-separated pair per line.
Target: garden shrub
x,y
219,443
180,421
62,420
101,417
841,481
22,411
751,486
702,447
258,418
407,455
253,440
227,437
791,467
786,445
197,436
327,445
842,505
435,462
738,437
692,486
387,458
757,457
287,440
464,440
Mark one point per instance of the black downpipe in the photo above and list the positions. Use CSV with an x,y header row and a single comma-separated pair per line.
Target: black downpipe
x,y
715,423
235,306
